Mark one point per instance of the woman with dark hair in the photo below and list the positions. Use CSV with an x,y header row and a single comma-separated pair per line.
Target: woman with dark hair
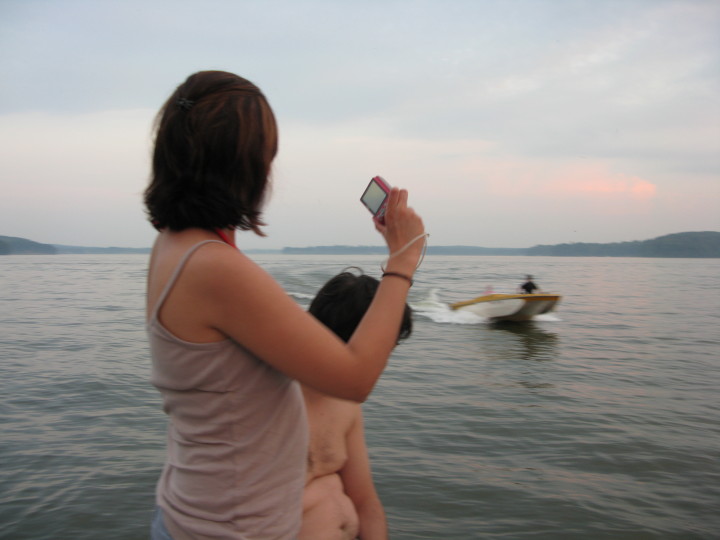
x,y
228,345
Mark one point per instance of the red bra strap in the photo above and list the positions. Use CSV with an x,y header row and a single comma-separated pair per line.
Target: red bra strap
x,y
225,238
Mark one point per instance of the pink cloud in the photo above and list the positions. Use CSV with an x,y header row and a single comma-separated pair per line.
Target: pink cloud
x,y
577,187
644,189
594,182
595,189
566,180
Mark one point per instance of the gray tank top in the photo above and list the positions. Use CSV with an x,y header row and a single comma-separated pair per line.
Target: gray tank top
x,y
237,438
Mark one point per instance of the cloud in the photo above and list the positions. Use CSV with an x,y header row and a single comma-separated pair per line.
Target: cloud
x,y
76,178
561,184
595,181
517,116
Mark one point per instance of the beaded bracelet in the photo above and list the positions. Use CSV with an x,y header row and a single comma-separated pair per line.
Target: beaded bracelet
x,y
401,276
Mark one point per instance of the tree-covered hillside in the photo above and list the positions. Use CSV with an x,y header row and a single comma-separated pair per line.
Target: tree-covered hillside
x,y
11,245
687,245
681,245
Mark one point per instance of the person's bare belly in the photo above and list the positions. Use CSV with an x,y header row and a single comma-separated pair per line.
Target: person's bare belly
x,y
328,514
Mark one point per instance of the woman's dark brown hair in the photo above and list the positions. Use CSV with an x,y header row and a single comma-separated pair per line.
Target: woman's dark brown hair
x,y
215,139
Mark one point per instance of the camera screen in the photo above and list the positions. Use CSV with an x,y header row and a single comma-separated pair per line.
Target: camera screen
x,y
373,197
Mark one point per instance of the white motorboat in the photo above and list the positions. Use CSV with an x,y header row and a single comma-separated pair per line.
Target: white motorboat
x,y
509,307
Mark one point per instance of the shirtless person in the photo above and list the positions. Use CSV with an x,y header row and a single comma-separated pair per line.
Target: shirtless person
x,y
529,286
340,501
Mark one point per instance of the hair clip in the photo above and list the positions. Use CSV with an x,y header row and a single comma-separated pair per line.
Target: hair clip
x,y
184,103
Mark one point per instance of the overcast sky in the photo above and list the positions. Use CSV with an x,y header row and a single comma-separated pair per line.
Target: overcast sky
x,y
512,122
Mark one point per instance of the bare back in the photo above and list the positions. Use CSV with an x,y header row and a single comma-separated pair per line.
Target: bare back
x,y
328,512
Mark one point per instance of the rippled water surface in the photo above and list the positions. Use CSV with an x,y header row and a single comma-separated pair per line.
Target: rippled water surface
x,y
600,420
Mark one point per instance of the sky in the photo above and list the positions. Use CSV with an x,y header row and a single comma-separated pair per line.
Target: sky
x,y
511,123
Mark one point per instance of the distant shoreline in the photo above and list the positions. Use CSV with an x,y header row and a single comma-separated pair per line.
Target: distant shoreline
x,y
704,244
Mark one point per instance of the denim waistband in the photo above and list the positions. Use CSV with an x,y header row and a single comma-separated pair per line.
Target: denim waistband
x,y
157,528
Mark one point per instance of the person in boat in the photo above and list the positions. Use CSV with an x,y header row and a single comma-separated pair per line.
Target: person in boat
x,y
529,286
340,501
229,346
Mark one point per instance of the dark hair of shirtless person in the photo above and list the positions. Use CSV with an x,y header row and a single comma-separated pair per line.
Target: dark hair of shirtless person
x,y
340,501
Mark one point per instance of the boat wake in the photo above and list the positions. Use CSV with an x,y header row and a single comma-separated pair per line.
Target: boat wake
x,y
301,298
547,317
435,310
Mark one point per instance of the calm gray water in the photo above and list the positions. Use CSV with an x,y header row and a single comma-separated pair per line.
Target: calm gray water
x,y
599,421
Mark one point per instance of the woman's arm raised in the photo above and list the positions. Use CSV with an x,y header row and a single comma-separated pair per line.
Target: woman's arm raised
x,y
250,307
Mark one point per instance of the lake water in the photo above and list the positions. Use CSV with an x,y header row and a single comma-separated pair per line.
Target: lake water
x,y
599,421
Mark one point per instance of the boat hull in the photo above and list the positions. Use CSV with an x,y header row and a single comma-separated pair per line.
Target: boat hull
x,y
509,307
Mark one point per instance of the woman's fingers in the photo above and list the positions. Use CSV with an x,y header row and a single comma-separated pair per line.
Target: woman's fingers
x,y
402,198
402,225
396,201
